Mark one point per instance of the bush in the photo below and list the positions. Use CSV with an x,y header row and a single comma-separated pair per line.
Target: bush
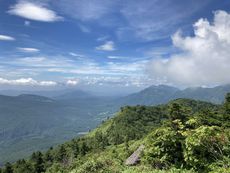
x,y
164,148
204,146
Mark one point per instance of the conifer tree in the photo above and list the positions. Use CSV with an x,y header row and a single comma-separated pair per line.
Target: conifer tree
x,y
38,162
62,154
227,107
8,168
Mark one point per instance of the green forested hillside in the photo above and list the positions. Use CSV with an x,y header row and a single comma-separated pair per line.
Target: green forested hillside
x,y
181,136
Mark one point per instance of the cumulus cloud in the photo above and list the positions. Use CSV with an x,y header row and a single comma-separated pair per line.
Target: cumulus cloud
x,y
205,57
34,11
108,46
28,49
6,38
26,82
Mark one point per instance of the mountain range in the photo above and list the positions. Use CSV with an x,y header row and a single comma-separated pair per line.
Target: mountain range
x,y
160,94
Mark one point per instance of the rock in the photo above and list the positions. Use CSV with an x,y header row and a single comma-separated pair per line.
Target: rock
x,y
135,157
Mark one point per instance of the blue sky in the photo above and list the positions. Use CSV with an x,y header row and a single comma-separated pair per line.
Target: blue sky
x,y
120,44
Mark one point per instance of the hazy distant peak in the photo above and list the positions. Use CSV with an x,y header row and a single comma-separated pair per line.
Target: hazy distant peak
x,y
34,98
162,87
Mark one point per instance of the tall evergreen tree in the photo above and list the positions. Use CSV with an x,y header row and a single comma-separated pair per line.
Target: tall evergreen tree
x,y
176,112
48,155
75,149
227,107
62,154
8,168
37,158
83,148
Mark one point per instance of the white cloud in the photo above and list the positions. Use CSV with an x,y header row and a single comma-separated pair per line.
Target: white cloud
x,y
28,49
34,11
79,56
113,57
103,38
47,83
6,38
116,57
26,82
205,57
72,82
73,54
108,46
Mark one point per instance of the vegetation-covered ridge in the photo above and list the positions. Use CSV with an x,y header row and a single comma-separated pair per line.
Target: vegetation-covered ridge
x,y
181,136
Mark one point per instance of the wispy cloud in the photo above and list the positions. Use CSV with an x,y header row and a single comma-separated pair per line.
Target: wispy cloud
x,y
87,72
84,28
103,38
28,49
119,57
6,38
111,68
34,11
85,10
74,54
42,62
108,46
152,20
78,56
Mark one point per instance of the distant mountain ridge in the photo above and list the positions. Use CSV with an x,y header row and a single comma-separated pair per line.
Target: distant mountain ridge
x,y
34,98
214,95
75,94
152,95
161,94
